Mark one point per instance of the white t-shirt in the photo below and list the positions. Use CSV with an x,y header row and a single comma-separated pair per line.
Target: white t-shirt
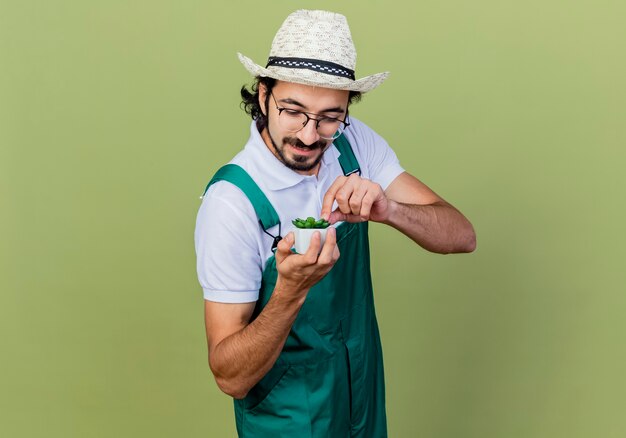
x,y
231,246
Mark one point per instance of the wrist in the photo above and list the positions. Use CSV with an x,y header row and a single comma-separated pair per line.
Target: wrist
x,y
289,294
392,209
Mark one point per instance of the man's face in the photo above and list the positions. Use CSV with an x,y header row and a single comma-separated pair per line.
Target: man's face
x,y
300,151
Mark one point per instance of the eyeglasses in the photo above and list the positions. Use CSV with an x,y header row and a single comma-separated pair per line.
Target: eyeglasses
x,y
328,128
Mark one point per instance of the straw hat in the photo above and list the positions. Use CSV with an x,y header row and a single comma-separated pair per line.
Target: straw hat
x,y
314,48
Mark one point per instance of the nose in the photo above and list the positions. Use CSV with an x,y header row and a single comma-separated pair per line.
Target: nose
x,y
309,135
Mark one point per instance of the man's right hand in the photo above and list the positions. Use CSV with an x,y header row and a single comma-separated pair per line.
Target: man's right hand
x,y
242,352
297,273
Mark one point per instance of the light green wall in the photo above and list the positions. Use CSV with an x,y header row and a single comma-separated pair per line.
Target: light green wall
x,y
114,115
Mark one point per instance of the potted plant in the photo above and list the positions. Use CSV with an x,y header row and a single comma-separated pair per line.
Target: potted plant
x,y
305,229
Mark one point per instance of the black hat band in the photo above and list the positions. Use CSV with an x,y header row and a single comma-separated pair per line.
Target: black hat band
x,y
312,64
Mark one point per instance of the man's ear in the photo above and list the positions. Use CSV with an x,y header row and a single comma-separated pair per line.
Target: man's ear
x,y
262,97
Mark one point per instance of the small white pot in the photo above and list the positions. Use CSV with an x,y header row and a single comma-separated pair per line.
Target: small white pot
x,y
303,238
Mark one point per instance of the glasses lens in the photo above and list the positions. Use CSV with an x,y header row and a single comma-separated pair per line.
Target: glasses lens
x,y
330,129
292,120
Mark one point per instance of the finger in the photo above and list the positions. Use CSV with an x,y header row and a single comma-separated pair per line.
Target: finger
x,y
356,199
336,254
344,194
329,246
284,247
350,195
336,216
329,197
310,256
366,205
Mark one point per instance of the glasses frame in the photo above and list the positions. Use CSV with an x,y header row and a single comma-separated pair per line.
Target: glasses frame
x,y
317,121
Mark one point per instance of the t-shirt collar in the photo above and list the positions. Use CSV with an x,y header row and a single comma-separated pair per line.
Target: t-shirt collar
x,y
275,174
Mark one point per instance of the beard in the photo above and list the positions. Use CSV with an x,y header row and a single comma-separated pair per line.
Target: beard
x,y
299,162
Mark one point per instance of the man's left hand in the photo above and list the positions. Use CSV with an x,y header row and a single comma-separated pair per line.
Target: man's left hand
x,y
358,200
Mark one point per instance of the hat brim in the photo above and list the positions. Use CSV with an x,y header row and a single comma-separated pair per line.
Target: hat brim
x,y
313,78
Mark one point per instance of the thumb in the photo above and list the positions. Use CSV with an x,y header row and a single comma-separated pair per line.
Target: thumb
x,y
283,250
336,216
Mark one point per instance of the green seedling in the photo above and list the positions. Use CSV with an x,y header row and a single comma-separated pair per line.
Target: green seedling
x,y
310,222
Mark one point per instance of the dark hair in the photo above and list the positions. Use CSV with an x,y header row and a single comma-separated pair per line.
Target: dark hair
x,y
250,99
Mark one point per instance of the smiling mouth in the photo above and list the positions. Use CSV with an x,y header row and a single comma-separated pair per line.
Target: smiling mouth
x,y
303,148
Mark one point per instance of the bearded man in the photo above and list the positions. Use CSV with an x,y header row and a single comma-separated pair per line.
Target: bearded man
x,y
293,338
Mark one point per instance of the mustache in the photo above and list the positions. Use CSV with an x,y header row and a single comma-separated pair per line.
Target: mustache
x,y
293,141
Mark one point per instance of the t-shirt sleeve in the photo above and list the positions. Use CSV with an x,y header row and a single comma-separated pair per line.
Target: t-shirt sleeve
x,y
226,240
374,152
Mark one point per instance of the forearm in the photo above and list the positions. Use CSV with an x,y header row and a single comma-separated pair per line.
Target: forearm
x,y
437,227
240,360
